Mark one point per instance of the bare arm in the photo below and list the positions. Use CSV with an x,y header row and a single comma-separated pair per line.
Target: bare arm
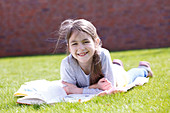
x,y
103,84
72,89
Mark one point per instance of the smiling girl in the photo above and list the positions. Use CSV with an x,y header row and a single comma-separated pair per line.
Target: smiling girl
x,y
88,69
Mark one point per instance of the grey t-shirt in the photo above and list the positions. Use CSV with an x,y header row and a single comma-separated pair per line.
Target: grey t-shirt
x,y
71,72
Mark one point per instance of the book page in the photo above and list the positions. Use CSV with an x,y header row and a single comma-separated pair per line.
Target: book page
x,y
78,97
31,99
53,94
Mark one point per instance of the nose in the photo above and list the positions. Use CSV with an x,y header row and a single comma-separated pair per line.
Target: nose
x,y
81,46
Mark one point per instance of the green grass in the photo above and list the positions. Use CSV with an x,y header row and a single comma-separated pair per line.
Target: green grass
x,y
152,97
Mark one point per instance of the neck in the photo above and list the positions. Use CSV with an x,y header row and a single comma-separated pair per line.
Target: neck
x,y
86,67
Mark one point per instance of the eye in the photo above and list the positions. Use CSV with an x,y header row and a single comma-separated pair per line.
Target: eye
x,y
86,42
74,44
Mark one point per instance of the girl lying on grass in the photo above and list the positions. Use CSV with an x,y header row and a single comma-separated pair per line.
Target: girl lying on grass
x,y
89,69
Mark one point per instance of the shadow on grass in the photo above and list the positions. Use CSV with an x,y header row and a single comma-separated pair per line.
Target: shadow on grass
x,y
34,106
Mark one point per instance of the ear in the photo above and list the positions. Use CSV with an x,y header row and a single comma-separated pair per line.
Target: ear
x,y
97,42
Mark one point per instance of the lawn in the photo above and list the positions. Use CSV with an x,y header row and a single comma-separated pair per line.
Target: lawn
x,y
152,97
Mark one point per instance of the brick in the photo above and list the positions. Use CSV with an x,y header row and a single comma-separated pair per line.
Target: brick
x,y
25,26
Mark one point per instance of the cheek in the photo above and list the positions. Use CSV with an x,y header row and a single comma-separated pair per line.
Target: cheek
x,y
71,49
94,46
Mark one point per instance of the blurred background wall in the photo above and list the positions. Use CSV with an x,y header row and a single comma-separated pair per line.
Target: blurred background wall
x,y
27,27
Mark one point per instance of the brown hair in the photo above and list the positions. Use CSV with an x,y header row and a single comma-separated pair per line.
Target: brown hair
x,y
66,29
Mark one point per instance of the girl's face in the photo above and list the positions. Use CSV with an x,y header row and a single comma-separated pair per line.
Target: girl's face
x,y
82,47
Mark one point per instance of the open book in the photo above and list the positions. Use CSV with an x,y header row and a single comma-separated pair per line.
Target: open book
x,y
49,92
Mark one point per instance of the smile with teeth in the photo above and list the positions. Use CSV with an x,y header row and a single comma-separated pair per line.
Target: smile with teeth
x,y
82,54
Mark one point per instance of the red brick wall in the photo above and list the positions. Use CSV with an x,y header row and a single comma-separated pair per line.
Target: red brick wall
x,y
26,25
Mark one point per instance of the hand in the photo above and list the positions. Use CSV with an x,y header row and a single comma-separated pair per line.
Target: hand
x,y
104,84
113,90
71,88
116,90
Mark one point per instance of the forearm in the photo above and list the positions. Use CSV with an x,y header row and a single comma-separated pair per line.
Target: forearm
x,y
92,89
102,84
71,88
76,91
94,86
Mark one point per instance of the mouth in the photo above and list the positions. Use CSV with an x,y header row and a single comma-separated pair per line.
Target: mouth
x,y
82,54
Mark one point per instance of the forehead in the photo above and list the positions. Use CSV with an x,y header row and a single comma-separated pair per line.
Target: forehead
x,y
79,36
